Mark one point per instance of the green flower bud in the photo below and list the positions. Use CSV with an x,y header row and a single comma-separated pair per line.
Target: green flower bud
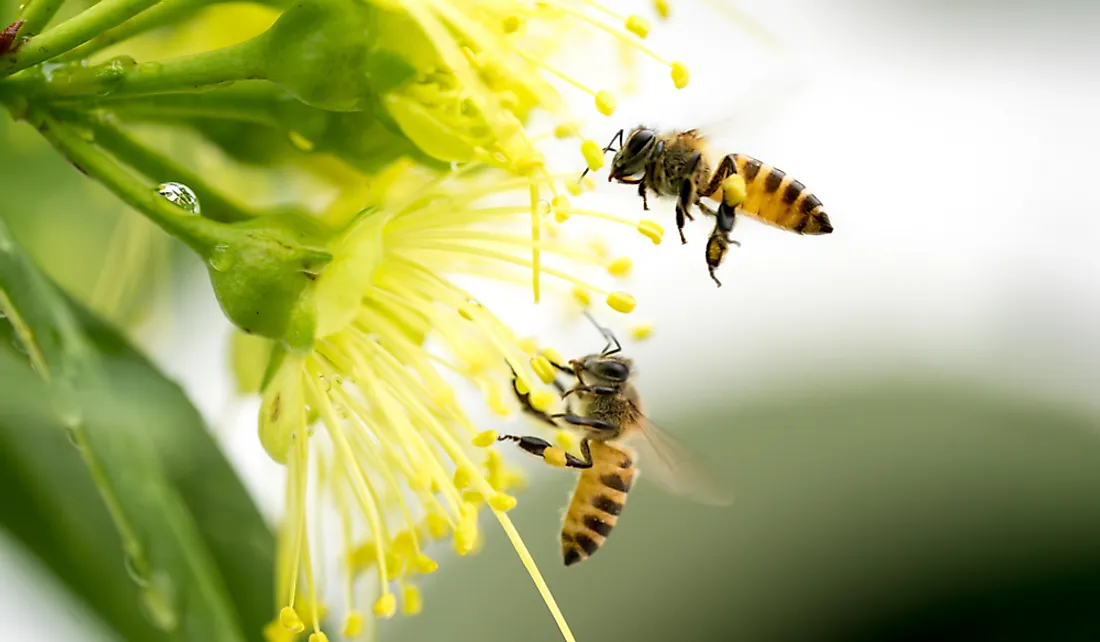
x,y
264,277
325,52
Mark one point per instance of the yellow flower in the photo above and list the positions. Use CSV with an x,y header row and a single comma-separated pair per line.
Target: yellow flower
x,y
391,445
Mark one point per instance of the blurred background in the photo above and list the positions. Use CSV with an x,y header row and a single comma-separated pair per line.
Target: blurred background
x,y
906,409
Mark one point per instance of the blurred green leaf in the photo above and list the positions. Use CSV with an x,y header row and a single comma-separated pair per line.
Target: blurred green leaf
x,y
886,510
194,560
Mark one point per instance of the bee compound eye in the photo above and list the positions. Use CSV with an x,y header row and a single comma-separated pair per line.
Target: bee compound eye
x,y
638,141
614,371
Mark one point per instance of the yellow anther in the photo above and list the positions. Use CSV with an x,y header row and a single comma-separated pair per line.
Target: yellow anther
x,y
605,102
438,527
641,331
554,456
652,230
545,371
733,190
621,302
561,207
593,154
552,355
574,187
385,606
462,478
512,23
502,502
662,8
404,544
620,267
301,142
599,247
564,130
394,565
564,439
521,386
290,621
318,637
425,565
473,497
362,557
496,403
680,75
353,625
484,439
528,345
542,399
411,603
581,295
465,536
637,25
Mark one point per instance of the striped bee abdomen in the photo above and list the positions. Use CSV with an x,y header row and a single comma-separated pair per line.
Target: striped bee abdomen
x,y
597,501
778,199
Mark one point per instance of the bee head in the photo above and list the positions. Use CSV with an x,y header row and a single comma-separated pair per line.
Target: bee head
x,y
603,370
632,156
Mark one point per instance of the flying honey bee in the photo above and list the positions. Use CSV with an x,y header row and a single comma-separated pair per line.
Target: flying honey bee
x,y
608,409
677,164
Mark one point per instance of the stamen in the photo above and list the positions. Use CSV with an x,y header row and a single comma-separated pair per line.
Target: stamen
x,y
533,571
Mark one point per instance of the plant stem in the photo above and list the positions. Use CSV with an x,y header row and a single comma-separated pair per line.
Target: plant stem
x,y
201,234
74,31
37,14
242,61
160,168
162,13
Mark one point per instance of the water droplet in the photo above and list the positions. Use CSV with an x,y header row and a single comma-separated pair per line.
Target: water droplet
x,y
3,315
180,194
133,569
326,385
220,259
18,345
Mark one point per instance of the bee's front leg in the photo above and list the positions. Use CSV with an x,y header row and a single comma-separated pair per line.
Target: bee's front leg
x,y
549,453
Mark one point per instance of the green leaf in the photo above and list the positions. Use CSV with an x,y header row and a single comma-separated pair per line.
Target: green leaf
x,y
144,520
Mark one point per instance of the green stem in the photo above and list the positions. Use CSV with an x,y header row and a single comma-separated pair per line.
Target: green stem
x,y
123,78
165,12
37,14
74,31
159,168
201,234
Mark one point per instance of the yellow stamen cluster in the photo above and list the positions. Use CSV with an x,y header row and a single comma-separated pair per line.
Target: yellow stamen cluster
x,y
392,449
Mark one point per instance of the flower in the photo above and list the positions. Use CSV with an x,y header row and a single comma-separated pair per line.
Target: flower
x,y
370,416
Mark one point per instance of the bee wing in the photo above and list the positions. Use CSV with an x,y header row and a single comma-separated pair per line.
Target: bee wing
x,y
678,468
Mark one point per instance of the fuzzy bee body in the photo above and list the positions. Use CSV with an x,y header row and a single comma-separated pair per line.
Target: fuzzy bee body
x,y
605,406
597,502
678,164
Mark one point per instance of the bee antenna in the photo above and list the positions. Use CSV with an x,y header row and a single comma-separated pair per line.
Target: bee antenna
x,y
607,334
610,148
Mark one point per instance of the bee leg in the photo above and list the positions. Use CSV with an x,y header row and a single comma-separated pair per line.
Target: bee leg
x,y
725,168
527,406
687,196
537,447
719,242
642,193
595,425
680,224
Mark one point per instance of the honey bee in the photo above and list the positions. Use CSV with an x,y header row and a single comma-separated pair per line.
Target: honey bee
x,y
677,164
607,410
